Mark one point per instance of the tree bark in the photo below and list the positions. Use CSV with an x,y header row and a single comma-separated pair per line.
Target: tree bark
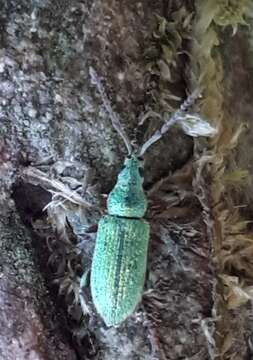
x,y
58,148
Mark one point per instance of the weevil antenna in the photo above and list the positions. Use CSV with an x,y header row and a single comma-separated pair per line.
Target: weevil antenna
x,y
96,80
172,120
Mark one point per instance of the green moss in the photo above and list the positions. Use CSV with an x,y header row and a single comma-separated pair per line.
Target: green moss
x,y
165,55
231,13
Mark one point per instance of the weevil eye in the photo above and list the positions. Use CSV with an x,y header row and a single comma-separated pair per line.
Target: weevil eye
x,y
141,172
128,156
140,158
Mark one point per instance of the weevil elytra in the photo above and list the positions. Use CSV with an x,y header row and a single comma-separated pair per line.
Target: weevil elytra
x,y
120,256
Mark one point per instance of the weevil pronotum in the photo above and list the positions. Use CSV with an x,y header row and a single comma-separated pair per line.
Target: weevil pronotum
x,y
120,255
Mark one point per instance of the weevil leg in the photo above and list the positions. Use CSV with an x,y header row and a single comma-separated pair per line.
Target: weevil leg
x,y
82,298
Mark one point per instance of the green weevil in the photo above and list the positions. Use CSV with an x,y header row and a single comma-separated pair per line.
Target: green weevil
x,y
120,256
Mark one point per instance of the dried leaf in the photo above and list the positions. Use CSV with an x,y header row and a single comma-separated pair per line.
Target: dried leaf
x,y
194,125
237,294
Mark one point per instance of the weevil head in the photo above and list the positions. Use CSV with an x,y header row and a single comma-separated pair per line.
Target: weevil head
x,y
127,198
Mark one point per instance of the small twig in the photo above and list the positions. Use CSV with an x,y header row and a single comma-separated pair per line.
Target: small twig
x,y
113,116
37,177
177,116
148,114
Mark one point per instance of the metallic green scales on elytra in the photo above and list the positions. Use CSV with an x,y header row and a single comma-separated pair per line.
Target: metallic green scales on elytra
x,y
120,257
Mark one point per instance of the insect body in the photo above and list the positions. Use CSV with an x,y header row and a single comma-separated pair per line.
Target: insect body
x,y
119,261
120,256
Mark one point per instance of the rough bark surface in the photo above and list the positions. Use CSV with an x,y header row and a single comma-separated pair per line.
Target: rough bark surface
x,y
54,128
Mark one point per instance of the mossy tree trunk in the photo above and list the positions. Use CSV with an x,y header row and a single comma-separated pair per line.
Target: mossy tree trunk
x,y
54,133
